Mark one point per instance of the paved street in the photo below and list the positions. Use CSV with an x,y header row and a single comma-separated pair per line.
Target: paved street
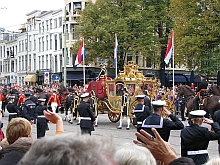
x,y
108,129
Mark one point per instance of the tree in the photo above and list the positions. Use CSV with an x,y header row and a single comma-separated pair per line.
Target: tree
x,y
197,33
141,26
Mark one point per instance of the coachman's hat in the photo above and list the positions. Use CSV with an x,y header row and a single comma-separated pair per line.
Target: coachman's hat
x,y
42,100
11,97
203,75
140,97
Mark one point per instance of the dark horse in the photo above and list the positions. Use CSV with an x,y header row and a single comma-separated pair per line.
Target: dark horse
x,y
210,103
215,90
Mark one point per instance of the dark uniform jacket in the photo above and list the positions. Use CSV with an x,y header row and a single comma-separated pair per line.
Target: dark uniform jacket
x,y
162,125
203,85
141,112
195,138
40,110
147,102
28,110
12,108
217,119
86,115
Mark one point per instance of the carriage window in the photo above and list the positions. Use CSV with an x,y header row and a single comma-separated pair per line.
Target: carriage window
x,y
111,89
131,89
149,87
119,89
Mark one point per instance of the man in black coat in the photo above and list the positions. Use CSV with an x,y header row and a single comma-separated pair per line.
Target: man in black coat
x,y
41,120
217,119
141,111
162,125
87,117
12,108
203,86
28,109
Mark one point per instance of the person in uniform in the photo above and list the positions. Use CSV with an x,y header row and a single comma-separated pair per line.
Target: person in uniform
x,y
87,117
162,125
103,71
124,109
54,100
200,90
74,113
28,109
141,111
93,105
182,103
12,108
195,138
21,98
2,98
41,120
217,119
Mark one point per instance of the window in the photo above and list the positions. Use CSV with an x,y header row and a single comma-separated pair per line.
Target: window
x,y
55,23
39,63
50,23
55,63
34,64
60,38
47,25
1,66
22,49
29,44
26,45
148,62
60,21
47,61
46,42
22,59
19,64
55,41
39,27
43,62
39,44
67,32
26,62
61,62
43,26
29,63
50,41
42,43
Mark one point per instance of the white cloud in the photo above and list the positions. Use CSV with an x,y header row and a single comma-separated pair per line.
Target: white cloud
x,y
15,14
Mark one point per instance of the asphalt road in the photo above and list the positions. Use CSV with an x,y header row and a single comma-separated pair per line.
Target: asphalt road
x,y
108,129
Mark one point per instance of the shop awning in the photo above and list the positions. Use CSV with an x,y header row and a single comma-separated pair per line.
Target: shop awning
x,y
30,78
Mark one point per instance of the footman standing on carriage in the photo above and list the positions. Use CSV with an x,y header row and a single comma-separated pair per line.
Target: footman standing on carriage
x,y
141,111
41,120
195,138
162,125
125,109
93,105
87,117
200,91
103,72
12,108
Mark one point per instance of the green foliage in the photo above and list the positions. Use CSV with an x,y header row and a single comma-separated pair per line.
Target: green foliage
x,y
197,33
141,26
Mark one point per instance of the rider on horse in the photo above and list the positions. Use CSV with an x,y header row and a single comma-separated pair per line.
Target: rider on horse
x,y
200,91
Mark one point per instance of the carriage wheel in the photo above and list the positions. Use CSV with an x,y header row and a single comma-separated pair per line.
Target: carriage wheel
x,y
114,116
131,114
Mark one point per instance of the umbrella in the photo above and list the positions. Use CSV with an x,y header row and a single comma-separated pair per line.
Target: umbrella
x,y
218,78
192,79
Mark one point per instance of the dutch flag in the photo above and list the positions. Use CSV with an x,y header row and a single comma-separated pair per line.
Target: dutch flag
x,y
115,51
81,55
170,49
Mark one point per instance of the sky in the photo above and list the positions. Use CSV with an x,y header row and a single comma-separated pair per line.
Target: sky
x,y
14,15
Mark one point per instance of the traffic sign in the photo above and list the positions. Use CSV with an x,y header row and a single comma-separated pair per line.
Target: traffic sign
x,y
56,77
46,77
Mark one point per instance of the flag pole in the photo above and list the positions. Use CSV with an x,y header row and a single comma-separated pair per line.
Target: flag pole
x,y
115,55
173,62
84,70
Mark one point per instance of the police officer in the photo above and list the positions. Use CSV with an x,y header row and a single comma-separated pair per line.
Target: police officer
x,y
87,117
195,138
41,120
203,86
124,109
162,125
28,109
93,105
12,108
141,111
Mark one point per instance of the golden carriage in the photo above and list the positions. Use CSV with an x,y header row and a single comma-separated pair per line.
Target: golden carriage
x,y
109,91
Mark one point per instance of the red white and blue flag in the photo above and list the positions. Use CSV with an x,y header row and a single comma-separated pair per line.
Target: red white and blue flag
x,y
81,55
115,51
170,49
